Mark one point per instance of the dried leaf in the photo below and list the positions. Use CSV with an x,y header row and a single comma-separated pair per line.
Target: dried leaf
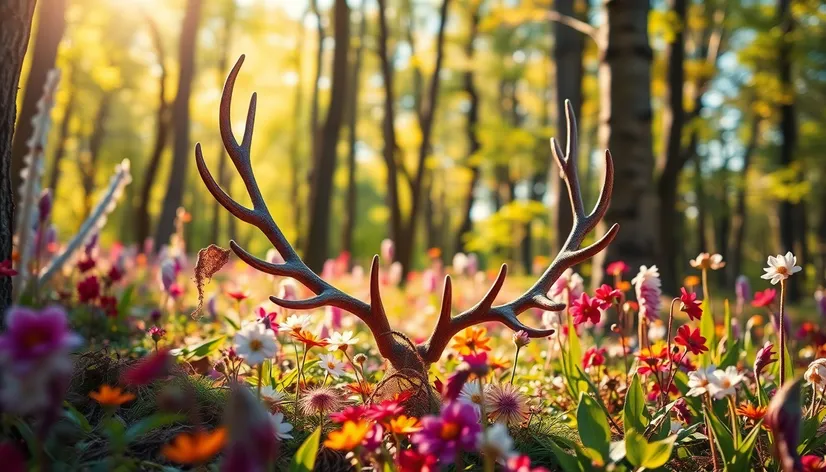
x,y
210,260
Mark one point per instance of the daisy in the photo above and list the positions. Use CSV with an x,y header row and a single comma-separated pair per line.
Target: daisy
x,y
723,383
331,365
281,427
497,442
295,323
472,395
272,396
699,381
341,341
504,403
781,267
255,343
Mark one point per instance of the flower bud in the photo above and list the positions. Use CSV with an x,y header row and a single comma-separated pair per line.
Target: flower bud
x,y
44,205
360,359
521,338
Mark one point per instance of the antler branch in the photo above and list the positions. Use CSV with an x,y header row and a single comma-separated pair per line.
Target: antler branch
x,y
570,255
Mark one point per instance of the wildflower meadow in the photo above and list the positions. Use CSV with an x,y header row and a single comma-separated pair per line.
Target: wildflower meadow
x,y
446,245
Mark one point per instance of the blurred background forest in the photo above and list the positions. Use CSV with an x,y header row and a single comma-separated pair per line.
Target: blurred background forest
x,y
427,121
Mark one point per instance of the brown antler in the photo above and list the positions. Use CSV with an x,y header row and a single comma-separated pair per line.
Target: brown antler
x,y
570,255
373,314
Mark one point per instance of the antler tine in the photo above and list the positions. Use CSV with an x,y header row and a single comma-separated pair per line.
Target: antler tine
x,y
568,161
240,211
447,302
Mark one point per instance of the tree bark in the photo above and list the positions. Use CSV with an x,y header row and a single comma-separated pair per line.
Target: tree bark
x,y
322,190
473,145
63,137
673,159
51,23
224,174
569,46
162,122
316,137
352,123
15,26
295,142
181,148
738,223
625,128
700,195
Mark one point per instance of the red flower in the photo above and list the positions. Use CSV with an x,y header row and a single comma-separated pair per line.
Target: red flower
x,y
522,464
593,356
412,461
384,410
12,459
148,369
110,306
477,363
115,274
812,463
655,391
86,264
238,295
691,340
88,289
607,294
586,308
764,298
175,290
6,268
351,413
617,268
690,305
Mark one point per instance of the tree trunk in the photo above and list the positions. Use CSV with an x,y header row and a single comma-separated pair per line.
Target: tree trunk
x,y
89,168
569,46
162,122
181,149
63,137
673,158
738,223
352,123
700,195
15,26
316,136
224,174
625,129
322,190
473,145
51,23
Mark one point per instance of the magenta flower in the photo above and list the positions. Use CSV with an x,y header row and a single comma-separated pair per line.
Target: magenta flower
x,y
586,308
88,289
456,430
351,413
607,294
764,358
384,410
476,363
31,335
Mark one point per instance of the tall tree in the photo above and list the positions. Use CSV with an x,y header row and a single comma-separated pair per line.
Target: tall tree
x,y
51,23
64,133
322,189
180,122
738,222
352,123
162,122
625,128
673,159
473,144
89,165
15,27
403,230
569,46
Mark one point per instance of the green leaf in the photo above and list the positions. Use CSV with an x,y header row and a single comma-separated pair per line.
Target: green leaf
x,y
742,458
722,435
76,417
809,439
125,301
707,331
731,356
729,328
593,426
115,430
150,423
635,414
304,459
649,455
200,350
568,462
232,322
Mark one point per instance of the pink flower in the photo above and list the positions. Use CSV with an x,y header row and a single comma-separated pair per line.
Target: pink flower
x,y
351,413
31,335
586,308
157,333
593,357
148,369
175,290
647,286
456,430
608,294
764,298
88,289
764,358
384,410
522,464
617,268
476,363
6,269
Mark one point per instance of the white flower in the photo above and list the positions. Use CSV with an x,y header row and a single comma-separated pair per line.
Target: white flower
x,y
255,343
816,374
656,330
497,442
272,395
781,267
472,395
569,281
723,383
706,261
647,286
699,381
331,365
281,427
341,341
460,262
295,323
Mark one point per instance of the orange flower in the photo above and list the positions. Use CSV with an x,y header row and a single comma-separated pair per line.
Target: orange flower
x,y
348,437
362,388
434,253
496,362
111,396
470,340
624,286
404,425
752,412
691,281
195,448
309,339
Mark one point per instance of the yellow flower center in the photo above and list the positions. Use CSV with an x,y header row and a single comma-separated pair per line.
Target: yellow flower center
x,y
449,431
782,270
256,345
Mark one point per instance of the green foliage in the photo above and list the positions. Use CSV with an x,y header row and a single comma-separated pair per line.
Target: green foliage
x,y
593,428
649,455
304,459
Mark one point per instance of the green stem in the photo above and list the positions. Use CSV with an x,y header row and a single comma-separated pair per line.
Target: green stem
x,y
356,373
782,320
515,360
260,379
735,427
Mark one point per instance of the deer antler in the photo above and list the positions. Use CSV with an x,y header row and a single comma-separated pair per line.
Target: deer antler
x,y
373,313
570,255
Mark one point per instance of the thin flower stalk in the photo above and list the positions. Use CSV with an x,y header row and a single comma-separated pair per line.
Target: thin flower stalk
x,y
782,331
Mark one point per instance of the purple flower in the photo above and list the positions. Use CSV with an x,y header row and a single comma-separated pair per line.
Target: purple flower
x,y
765,357
456,430
31,335
742,289
430,280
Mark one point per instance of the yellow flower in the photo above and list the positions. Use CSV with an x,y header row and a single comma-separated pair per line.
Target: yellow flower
x,y
404,425
471,340
348,437
497,362
195,448
111,396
